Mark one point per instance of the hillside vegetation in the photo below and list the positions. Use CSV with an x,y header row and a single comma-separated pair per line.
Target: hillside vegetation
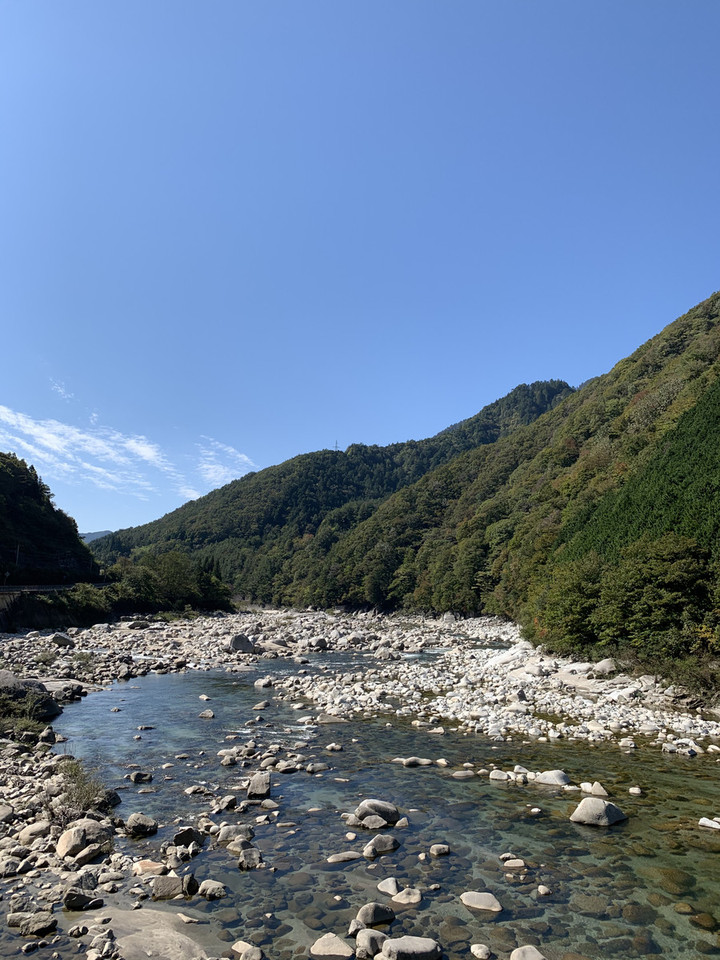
x,y
38,542
590,516
251,528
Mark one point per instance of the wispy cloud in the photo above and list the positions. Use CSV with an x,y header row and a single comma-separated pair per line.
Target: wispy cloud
x,y
59,387
115,462
220,463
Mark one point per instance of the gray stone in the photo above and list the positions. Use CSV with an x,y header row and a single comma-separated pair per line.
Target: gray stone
x,y
61,640
167,888
439,850
141,776
41,828
259,786
241,644
212,890
380,808
331,947
411,948
347,856
75,898
389,886
596,812
382,843
81,834
373,914
249,859
527,953
38,701
409,895
139,825
553,778
481,901
246,951
368,943
38,925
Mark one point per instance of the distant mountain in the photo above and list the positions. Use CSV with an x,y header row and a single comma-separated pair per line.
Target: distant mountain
x,y
89,537
592,516
38,542
253,526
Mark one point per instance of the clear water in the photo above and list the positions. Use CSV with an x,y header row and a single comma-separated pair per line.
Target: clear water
x,y
614,892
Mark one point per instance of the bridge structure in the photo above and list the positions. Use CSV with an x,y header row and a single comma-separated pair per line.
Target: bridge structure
x,y
8,595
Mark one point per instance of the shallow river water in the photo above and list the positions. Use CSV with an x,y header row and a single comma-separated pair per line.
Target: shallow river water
x,y
649,886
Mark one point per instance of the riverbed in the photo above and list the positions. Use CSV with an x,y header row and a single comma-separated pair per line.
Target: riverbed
x,y
647,886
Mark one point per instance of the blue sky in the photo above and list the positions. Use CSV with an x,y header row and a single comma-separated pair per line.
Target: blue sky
x,y
233,232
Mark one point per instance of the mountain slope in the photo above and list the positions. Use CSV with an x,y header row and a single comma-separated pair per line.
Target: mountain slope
x,y
600,514
595,524
254,525
38,542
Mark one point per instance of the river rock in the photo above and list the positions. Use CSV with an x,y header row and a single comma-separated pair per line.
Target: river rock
x,y
481,901
527,953
481,951
250,858
167,887
439,850
212,890
411,948
596,812
382,843
247,951
389,886
368,943
331,947
43,706
75,898
373,914
553,778
81,834
379,808
139,825
259,786
408,895
241,643
38,925
41,828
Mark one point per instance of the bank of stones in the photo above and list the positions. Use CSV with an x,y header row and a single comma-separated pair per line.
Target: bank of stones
x,y
476,676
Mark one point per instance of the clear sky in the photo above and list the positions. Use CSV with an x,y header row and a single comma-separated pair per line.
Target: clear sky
x,y
232,232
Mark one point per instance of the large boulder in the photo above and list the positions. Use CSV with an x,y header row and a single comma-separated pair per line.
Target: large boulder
x,y
240,643
372,914
596,812
378,808
368,943
81,834
259,786
32,694
140,825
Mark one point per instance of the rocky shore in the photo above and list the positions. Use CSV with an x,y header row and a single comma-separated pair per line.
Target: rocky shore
x,y
71,882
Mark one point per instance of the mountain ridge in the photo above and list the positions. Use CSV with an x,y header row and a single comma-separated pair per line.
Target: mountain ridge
x,y
575,518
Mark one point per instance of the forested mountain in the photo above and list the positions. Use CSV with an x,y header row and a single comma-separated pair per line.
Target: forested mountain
x,y
592,516
252,526
38,542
